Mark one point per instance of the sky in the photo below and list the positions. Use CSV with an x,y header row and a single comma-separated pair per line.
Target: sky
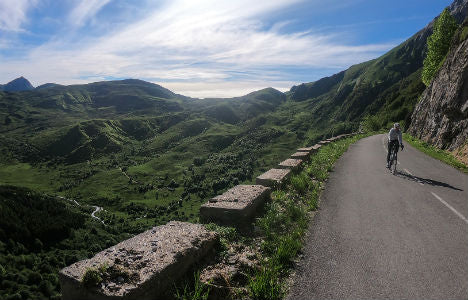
x,y
201,48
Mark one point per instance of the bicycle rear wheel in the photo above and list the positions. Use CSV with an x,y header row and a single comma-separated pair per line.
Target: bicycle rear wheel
x,y
394,164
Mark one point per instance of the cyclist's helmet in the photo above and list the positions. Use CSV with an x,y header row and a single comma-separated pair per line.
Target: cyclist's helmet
x,y
396,125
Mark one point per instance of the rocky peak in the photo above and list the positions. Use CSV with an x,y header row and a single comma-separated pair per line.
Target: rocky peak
x,y
17,85
459,10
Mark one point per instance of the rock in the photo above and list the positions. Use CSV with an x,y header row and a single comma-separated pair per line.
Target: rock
x,y
230,273
152,261
18,85
441,116
273,177
236,206
292,164
311,150
301,155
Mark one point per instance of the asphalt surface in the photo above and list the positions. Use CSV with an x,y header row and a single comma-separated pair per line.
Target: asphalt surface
x,y
384,236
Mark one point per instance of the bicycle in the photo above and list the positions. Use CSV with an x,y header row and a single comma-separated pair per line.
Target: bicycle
x,y
393,158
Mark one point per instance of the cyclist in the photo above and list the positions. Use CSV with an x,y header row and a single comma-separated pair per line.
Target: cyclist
x,y
394,140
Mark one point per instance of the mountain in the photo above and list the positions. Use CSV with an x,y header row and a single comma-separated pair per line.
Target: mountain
x,y
441,116
148,155
17,85
387,87
47,85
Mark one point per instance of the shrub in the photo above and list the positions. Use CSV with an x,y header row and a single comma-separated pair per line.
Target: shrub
x,y
91,278
438,45
46,288
300,183
370,123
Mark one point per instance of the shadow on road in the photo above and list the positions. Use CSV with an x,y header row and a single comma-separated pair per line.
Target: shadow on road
x,y
425,180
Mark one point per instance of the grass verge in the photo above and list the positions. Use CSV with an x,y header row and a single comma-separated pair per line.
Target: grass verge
x,y
434,152
278,236
285,222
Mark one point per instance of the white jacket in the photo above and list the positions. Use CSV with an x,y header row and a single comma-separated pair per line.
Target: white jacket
x,y
395,135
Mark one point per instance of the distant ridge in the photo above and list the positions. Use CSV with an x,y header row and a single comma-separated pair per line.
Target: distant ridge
x,y
17,85
48,85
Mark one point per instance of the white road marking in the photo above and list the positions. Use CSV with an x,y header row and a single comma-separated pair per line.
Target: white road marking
x,y
450,207
384,148
419,181
406,170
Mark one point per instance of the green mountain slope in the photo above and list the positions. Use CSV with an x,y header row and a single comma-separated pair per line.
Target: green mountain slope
x,y
369,87
385,89
147,155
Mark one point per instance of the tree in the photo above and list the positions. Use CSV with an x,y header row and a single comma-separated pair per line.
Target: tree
x,y
438,45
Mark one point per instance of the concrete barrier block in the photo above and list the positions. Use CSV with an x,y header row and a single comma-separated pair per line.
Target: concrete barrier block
x,y
148,264
311,149
236,206
273,177
292,164
301,155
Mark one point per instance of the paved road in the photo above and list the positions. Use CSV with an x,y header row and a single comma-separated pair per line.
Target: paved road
x,y
380,236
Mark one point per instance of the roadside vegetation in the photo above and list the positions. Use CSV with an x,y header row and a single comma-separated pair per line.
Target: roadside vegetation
x,y
437,153
438,45
148,156
286,220
278,234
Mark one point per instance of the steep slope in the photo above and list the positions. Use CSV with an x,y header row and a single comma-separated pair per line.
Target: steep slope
x,y
441,116
387,86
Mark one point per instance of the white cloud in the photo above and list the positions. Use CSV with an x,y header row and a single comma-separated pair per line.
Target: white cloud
x,y
13,14
85,10
184,44
222,89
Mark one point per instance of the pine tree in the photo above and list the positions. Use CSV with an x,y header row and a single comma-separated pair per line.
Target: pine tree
x,y
438,45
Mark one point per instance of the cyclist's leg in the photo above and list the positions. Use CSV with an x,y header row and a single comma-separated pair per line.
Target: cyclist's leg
x,y
389,150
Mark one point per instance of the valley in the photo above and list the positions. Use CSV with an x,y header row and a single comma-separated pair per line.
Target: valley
x,y
83,167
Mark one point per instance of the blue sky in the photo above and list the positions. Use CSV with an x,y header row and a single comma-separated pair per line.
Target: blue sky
x,y
201,48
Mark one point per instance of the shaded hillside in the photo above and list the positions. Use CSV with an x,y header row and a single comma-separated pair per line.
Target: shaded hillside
x,y
441,116
40,235
17,85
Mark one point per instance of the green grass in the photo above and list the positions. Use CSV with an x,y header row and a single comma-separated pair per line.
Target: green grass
x,y
25,175
266,285
193,290
437,153
286,218
61,141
